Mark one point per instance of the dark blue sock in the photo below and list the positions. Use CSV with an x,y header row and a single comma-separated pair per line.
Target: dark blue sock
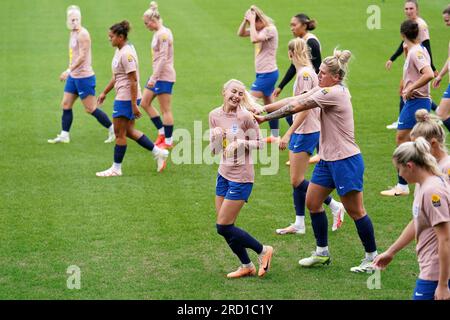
x,y
226,231
67,118
447,124
433,106
401,105
145,142
119,153
328,200
402,181
102,118
299,195
289,120
319,223
366,233
168,130
157,122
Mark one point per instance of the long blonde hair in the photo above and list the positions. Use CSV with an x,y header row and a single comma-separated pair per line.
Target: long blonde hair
x,y
265,19
338,63
417,152
301,53
152,12
428,126
247,101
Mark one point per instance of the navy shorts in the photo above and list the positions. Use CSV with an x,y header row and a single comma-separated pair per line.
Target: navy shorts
x,y
304,142
425,289
407,118
82,87
265,82
122,108
161,87
447,93
233,190
343,175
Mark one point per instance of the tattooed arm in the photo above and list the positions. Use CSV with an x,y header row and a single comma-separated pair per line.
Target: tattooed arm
x,y
277,105
296,106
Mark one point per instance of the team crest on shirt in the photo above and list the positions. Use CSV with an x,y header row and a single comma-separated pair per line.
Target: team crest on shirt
x,y
234,128
436,200
325,91
115,63
416,210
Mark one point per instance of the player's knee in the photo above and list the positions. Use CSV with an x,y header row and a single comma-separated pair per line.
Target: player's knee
x,y
295,181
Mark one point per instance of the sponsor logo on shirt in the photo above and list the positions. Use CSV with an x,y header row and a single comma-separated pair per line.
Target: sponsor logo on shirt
x,y
305,76
436,200
325,91
130,58
448,172
420,55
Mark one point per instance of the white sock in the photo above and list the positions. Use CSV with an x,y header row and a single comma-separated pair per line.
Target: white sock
x,y
117,166
371,255
263,252
156,150
274,132
299,222
320,250
161,131
403,187
111,128
64,134
248,265
334,205
169,141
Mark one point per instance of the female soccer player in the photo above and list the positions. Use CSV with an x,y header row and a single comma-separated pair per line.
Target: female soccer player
x,y
417,74
125,81
264,36
161,82
303,138
80,79
341,166
235,133
430,224
428,127
411,9
443,110
301,25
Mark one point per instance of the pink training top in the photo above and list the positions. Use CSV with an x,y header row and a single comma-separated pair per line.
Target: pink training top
x,y
337,134
444,164
162,53
124,62
417,59
430,208
85,69
238,126
305,81
424,34
266,50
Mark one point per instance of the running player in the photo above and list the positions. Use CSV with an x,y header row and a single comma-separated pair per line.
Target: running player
x,y
430,225
234,132
161,82
443,110
264,35
80,79
125,81
417,74
341,166
302,138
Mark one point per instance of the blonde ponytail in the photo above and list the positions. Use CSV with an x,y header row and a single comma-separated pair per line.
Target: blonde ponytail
x,y
301,53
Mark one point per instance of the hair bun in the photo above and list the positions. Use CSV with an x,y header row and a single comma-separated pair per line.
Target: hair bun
x,y
153,5
422,115
342,56
125,25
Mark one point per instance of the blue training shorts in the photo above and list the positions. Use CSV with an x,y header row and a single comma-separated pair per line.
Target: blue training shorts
x,y
425,289
304,142
161,87
122,108
343,175
82,87
233,190
407,118
265,82
447,93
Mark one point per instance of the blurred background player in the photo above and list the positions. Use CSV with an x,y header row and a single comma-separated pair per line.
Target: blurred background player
x,y
302,138
430,225
125,81
341,166
443,111
234,132
417,74
80,79
264,35
411,9
161,82
428,127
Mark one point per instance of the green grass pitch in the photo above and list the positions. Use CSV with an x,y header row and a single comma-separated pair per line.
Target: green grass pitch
x,y
152,236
